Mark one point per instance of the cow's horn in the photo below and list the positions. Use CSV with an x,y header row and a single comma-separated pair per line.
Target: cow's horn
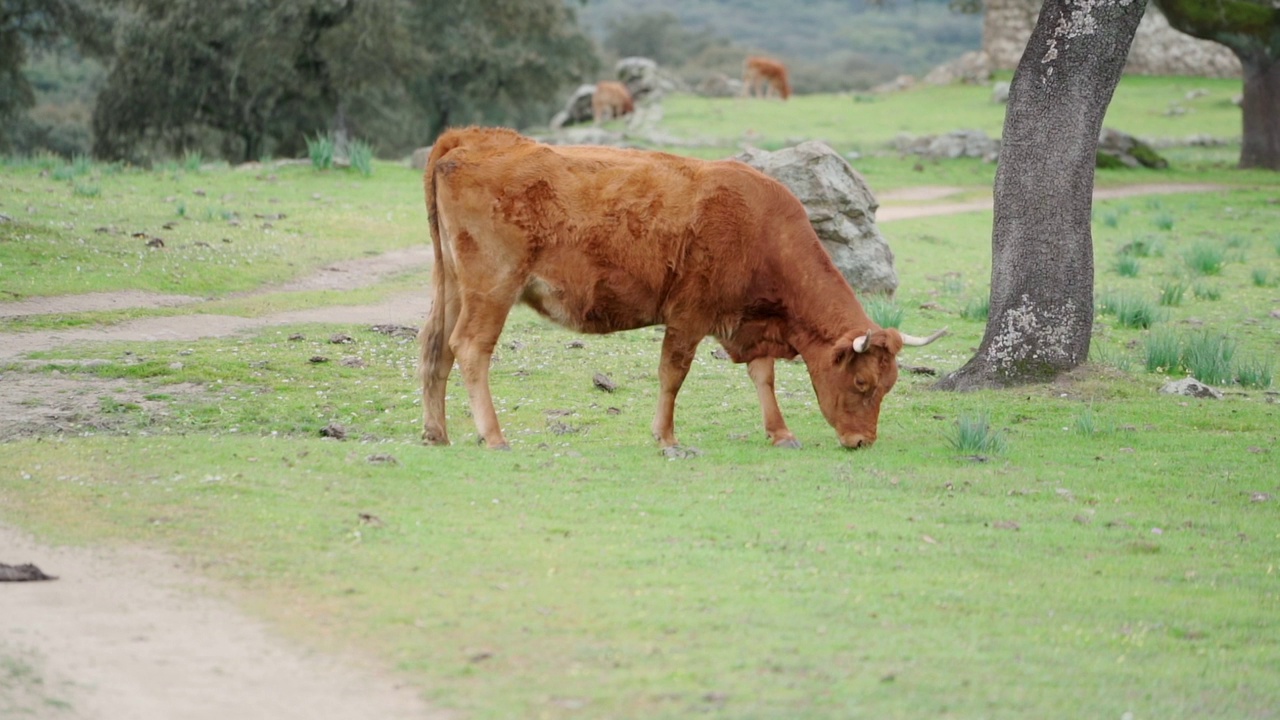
x,y
917,341
862,342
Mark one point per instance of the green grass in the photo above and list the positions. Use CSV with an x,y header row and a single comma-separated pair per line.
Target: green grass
x,y
321,150
1110,558
1131,311
1171,293
1207,357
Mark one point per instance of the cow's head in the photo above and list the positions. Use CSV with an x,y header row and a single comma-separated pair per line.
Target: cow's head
x,y
850,383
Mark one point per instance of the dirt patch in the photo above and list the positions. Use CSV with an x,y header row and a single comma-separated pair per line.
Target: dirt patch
x,y
919,193
122,634
39,404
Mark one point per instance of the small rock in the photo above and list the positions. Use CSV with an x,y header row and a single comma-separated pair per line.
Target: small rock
x,y
575,345
1006,525
381,459
719,354
1190,387
297,337
400,331
1259,497
604,382
352,361
341,339
22,573
317,359
334,430
680,452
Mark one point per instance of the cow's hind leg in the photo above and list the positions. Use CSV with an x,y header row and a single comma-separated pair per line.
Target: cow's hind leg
x,y
761,372
678,349
437,359
480,322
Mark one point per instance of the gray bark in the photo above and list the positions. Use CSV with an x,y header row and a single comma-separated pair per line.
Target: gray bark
x,y
1042,247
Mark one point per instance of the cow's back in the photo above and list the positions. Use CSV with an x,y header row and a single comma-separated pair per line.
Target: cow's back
x,y
606,239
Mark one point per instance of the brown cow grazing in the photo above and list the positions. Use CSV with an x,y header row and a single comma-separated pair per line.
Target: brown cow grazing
x,y
605,239
766,75
611,100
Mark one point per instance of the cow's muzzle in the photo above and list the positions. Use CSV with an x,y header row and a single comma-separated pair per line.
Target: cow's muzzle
x,y
855,441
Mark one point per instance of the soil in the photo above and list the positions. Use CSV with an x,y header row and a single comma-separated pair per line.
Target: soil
x,y
129,633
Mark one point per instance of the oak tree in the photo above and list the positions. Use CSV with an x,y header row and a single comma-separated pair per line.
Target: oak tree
x,y
1041,312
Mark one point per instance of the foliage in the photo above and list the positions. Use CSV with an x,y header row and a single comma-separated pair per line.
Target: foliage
x,y
977,308
246,79
27,24
1250,28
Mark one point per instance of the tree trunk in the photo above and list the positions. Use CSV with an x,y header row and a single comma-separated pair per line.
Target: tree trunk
x,y
1042,247
1260,147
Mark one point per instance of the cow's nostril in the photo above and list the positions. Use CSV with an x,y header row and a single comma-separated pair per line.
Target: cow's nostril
x,y
854,442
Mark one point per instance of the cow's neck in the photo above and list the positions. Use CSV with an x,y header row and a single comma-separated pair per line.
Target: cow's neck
x,y
821,306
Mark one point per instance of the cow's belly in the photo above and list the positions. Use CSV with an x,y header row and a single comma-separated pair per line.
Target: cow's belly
x,y
610,304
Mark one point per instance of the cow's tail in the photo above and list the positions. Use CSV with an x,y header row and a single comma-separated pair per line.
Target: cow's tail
x,y
434,334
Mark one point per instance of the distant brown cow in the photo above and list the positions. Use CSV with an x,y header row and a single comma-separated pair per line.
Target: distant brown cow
x,y
764,74
605,239
611,100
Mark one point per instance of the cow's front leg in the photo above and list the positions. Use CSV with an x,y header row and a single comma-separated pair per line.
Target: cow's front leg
x,y
476,334
678,349
761,372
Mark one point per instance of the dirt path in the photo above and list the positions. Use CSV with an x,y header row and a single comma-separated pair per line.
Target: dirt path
x,y
894,205
122,634
131,634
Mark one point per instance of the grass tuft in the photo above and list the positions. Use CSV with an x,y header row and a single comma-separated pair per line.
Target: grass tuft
x,y
1171,293
1130,310
884,311
361,157
978,309
1254,373
1205,259
1207,357
1262,277
1127,266
972,433
320,150
1205,291
1163,221
1164,351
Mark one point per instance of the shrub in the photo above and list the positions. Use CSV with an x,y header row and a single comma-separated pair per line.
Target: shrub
x,y
885,312
978,308
1171,293
972,433
320,150
1205,259
1208,357
1164,352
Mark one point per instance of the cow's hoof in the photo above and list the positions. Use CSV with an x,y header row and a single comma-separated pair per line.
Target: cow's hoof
x,y
789,443
430,438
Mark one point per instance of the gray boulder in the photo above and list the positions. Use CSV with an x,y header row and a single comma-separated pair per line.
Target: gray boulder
x,y
647,82
1118,149
841,209
577,109
955,144
1190,387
